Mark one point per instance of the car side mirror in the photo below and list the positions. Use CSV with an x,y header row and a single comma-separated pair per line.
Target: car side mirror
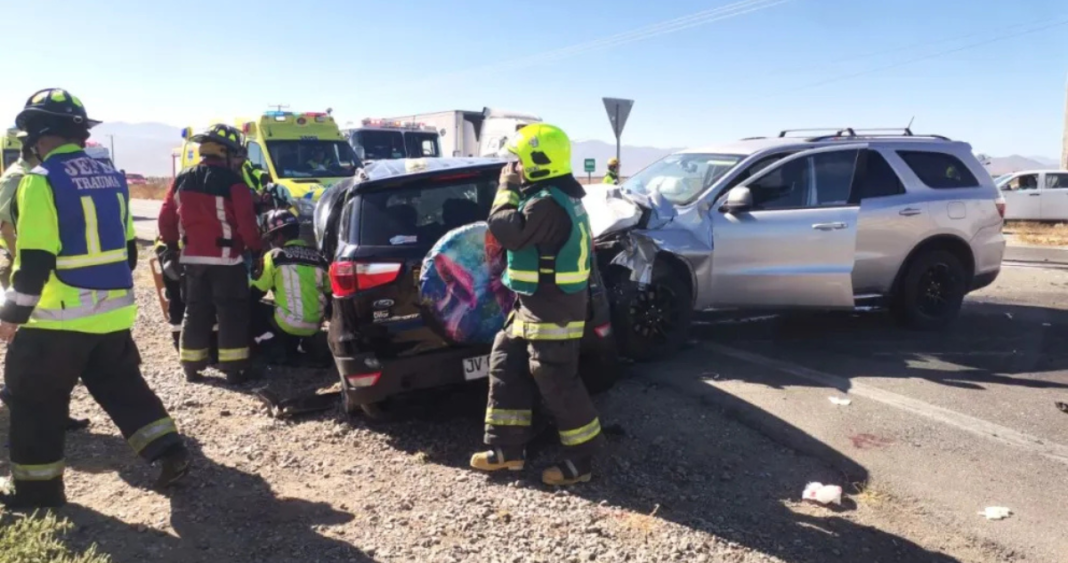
x,y
738,200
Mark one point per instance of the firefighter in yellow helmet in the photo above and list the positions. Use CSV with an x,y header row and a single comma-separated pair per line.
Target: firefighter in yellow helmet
x,y
613,172
539,219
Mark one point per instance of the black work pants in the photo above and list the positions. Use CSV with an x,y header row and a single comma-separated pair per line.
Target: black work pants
x,y
285,348
40,371
216,295
523,370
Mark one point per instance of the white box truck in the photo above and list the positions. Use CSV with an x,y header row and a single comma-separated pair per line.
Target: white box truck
x,y
472,133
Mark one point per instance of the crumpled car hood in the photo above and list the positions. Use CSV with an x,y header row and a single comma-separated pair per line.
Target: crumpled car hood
x,y
612,210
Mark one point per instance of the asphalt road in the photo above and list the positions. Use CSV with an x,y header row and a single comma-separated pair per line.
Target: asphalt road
x,y
943,423
145,214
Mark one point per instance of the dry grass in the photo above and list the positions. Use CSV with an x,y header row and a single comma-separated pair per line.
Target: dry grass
x,y
156,188
1044,234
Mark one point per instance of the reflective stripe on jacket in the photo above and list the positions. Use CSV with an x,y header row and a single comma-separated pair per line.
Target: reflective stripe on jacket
x,y
296,275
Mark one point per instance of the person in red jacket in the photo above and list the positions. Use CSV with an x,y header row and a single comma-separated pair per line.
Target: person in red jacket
x,y
209,217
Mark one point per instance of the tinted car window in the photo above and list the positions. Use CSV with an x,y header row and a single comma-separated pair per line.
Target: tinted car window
x,y
816,181
1056,181
756,167
939,170
879,179
421,214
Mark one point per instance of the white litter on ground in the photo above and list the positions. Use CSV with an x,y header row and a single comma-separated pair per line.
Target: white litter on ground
x,y
840,402
996,513
823,494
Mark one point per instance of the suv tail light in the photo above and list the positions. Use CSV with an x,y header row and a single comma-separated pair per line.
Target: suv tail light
x,y
1001,207
346,278
363,379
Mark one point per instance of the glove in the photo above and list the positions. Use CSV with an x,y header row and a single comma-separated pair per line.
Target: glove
x,y
509,178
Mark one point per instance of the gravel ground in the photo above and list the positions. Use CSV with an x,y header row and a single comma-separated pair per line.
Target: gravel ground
x,y
678,482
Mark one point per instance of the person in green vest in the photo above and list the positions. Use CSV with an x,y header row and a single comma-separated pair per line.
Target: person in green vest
x,y
542,224
295,274
613,172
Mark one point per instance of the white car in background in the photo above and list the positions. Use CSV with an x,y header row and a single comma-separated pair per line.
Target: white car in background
x,y
1035,195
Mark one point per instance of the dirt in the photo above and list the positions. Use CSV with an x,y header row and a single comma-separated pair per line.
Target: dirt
x,y
678,481
1042,234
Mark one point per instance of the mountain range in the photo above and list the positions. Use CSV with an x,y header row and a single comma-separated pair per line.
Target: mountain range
x,y
145,148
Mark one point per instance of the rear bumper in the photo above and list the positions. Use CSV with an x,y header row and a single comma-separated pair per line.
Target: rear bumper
x,y
403,375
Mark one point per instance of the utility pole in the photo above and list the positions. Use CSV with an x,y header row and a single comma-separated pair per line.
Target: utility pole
x,y
112,138
1064,145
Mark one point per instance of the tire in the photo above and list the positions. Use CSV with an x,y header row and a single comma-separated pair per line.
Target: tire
x,y
932,291
651,322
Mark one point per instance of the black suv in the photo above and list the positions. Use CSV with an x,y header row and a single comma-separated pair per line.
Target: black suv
x,y
382,340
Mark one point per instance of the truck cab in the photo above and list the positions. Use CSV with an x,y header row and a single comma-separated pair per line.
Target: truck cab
x,y
10,148
380,139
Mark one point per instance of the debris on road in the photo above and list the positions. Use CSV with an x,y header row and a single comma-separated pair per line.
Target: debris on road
x,y
840,402
996,513
289,407
1062,406
823,494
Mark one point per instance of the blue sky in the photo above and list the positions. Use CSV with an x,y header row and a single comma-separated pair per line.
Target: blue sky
x,y
801,63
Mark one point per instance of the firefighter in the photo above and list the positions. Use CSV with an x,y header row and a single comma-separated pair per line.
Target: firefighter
x,y
295,274
9,183
72,306
613,172
210,210
543,226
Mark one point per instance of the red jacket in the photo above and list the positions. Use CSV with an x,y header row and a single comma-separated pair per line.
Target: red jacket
x,y
210,209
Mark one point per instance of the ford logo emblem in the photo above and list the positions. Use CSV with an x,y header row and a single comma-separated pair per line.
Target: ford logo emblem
x,y
383,304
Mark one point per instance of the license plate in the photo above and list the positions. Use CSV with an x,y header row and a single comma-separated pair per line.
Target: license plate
x,y
476,368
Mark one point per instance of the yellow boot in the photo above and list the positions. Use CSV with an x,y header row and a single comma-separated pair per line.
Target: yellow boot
x,y
568,473
496,460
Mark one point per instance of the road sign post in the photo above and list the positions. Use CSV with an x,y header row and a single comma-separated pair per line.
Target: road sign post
x,y
590,165
618,111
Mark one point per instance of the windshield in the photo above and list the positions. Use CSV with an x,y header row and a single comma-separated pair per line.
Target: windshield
x,y
680,178
10,156
421,144
374,144
312,159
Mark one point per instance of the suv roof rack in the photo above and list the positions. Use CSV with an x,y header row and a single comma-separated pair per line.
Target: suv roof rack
x,y
854,133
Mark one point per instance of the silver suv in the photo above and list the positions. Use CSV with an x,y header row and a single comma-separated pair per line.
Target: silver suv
x,y
851,219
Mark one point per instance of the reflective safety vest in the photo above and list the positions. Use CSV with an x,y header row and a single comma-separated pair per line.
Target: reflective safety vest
x,y
611,178
296,275
71,207
92,201
569,269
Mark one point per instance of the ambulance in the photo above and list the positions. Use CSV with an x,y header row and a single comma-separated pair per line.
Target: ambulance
x,y
303,152
11,147
382,139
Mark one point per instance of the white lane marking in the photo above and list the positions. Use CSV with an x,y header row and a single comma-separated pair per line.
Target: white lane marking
x,y
1037,265
977,426
736,321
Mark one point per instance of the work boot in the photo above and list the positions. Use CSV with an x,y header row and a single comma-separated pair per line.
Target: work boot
x,y
31,495
512,459
174,465
568,472
192,374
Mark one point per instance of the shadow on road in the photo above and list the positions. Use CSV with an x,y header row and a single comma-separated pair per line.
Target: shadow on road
x,y
218,514
988,345
671,457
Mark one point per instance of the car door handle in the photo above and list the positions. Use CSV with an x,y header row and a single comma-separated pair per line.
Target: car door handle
x,y
1034,195
909,211
829,226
